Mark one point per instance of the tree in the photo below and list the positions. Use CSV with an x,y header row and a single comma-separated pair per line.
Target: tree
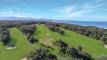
x,y
32,39
79,48
55,28
28,29
41,54
61,44
6,39
5,36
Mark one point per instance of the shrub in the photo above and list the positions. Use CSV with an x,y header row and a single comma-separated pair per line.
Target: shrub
x,y
60,43
55,28
28,29
5,36
32,39
41,54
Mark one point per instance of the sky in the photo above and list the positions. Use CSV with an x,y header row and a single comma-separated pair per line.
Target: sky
x,y
84,10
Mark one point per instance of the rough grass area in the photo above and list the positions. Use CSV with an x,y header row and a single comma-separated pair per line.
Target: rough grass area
x,y
47,37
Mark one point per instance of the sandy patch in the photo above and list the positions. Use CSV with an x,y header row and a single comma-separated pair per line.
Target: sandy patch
x,y
10,47
24,59
105,46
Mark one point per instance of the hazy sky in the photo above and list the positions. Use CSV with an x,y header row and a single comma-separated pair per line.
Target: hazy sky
x,y
55,9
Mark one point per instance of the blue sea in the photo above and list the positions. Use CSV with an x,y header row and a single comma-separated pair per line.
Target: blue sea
x,y
100,24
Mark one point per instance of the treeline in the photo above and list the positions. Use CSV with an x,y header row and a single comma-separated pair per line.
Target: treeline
x,y
10,24
75,53
55,28
64,50
41,54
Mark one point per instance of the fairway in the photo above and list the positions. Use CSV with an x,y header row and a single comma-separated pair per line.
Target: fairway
x,y
91,46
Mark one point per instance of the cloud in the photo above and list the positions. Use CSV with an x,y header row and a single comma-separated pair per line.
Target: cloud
x,y
15,12
67,9
22,12
77,11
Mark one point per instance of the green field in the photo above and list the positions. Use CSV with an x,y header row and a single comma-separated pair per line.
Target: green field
x,y
93,47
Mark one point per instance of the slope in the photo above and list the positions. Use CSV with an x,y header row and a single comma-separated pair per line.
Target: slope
x,y
47,37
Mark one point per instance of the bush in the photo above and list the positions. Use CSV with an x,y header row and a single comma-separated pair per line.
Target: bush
x,y
32,39
5,36
6,39
41,54
28,29
61,44
78,55
55,28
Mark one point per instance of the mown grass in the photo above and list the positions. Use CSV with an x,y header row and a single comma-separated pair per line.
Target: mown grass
x,y
93,47
22,46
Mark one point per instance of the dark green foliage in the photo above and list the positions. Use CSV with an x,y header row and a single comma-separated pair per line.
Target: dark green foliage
x,y
79,48
5,39
60,31
29,30
32,39
60,43
55,28
104,37
72,52
26,29
78,55
62,47
5,36
41,54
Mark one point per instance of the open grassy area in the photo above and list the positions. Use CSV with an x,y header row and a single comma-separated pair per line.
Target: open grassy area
x,y
22,47
93,47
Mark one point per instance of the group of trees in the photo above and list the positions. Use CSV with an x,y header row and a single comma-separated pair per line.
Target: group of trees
x,y
5,36
29,30
73,52
90,31
55,27
41,54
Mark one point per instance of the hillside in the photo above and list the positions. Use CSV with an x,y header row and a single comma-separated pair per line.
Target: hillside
x,y
47,37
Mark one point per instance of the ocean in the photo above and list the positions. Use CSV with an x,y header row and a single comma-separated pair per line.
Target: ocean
x,y
100,24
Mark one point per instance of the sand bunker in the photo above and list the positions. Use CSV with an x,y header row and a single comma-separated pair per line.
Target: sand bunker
x,y
24,59
10,47
105,46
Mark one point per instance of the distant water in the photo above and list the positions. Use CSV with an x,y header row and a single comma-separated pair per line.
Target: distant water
x,y
99,24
